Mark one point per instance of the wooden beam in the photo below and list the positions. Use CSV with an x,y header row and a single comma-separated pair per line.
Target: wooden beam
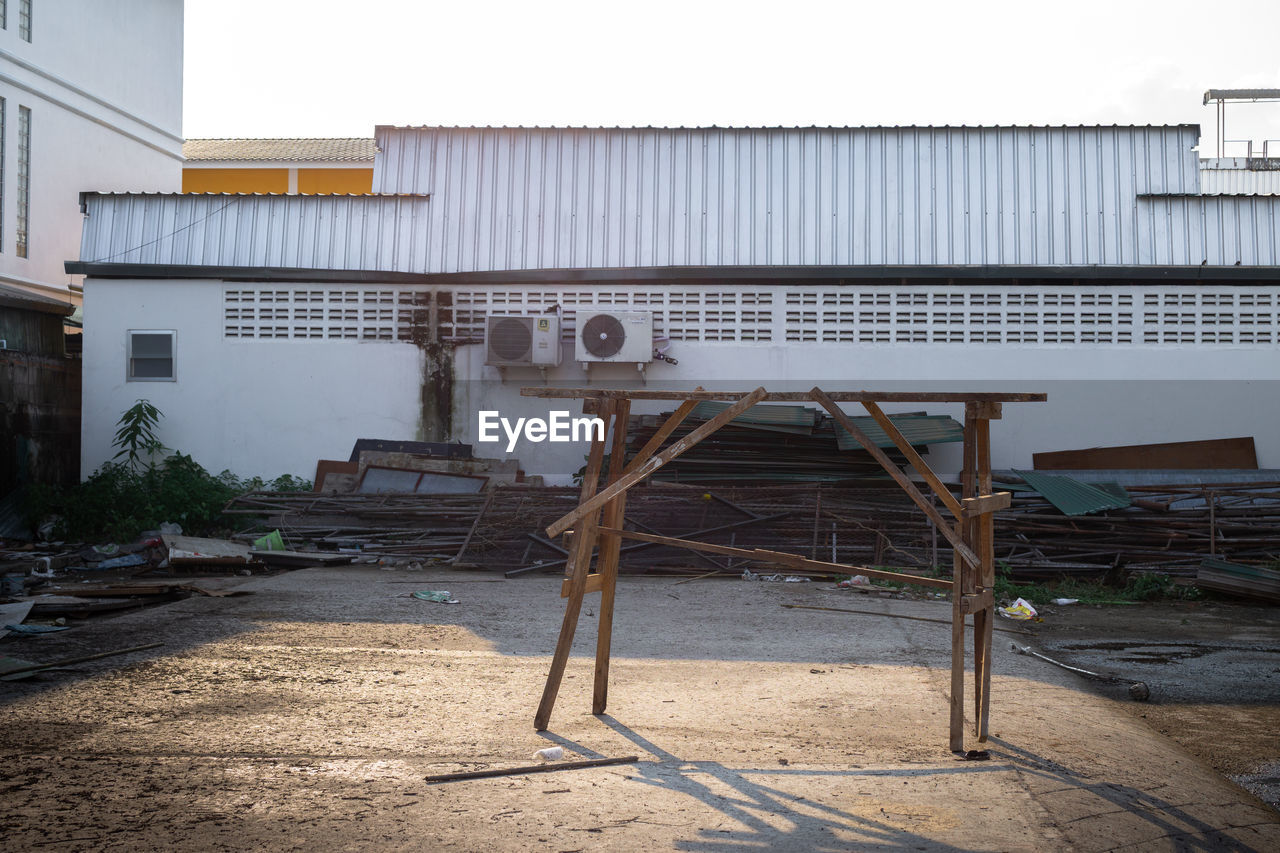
x,y
592,585
794,561
577,568
630,478
651,446
984,618
607,564
983,504
913,458
944,527
785,396
977,601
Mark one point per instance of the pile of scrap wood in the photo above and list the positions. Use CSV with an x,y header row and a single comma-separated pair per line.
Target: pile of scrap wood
x,y
1165,528
424,467
392,524
1252,582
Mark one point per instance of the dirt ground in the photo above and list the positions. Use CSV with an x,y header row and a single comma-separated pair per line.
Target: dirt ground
x,y
1213,669
309,713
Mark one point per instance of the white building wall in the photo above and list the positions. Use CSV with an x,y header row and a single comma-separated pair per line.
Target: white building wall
x,y
104,85
257,408
273,376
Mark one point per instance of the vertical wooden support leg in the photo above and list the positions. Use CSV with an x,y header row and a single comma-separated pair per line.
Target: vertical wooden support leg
x,y
607,565
577,567
984,618
961,583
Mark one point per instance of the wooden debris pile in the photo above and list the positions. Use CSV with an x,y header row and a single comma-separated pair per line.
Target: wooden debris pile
x,y
1167,528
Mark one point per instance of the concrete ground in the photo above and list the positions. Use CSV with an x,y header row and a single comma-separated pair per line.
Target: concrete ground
x,y
307,714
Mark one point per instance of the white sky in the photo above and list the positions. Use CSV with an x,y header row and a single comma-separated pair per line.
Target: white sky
x,y
268,68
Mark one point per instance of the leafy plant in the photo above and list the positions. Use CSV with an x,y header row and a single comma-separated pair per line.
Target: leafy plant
x,y
136,433
121,499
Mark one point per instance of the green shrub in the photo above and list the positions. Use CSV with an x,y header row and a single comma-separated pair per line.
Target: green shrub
x,y
122,499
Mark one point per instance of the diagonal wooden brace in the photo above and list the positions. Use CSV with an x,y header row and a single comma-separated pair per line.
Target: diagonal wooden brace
x,y
913,458
944,527
635,475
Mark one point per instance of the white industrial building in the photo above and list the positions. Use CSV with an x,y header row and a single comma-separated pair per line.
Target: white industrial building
x,y
1085,262
90,99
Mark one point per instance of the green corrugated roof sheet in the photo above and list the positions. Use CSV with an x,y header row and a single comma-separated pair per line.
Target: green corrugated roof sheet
x,y
798,420
916,429
1073,497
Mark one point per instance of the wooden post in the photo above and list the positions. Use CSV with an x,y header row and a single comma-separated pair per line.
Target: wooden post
x,y
607,564
577,567
960,584
984,616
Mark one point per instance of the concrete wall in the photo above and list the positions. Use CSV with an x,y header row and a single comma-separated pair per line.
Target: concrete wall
x,y
255,407
270,405
103,82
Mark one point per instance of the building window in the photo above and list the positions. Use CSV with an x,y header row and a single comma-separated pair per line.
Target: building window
x,y
151,356
24,20
24,179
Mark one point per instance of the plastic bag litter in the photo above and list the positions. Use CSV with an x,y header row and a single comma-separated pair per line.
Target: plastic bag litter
x,y
440,596
1021,609
273,541
856,580
551,753
1065,601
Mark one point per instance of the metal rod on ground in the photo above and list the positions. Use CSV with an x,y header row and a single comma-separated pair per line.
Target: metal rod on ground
x,y
1138,690
80,659
535,768
891,616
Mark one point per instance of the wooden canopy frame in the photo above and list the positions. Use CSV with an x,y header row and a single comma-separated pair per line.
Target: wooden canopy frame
x,y
600,517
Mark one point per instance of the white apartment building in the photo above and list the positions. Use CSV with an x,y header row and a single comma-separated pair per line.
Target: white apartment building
x,y
90,100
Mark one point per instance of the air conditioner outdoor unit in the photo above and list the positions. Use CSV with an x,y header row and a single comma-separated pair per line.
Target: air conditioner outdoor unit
x,y
522,341
605,335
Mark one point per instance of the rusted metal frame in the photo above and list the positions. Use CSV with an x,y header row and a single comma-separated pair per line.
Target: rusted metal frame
x,y
649,466
577,567
794,561
784,396
945,528
607,563
913,458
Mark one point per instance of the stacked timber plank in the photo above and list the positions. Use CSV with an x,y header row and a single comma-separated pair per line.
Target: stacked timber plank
x,y
1166,528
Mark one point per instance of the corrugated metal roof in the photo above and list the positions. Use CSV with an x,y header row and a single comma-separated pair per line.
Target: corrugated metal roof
x,y
1073,497
543,199
361,232
1216,181
382,127
309,149
916,429
591,198
792,419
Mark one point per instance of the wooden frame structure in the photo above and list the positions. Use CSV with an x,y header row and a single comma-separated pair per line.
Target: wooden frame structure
x,y
599,520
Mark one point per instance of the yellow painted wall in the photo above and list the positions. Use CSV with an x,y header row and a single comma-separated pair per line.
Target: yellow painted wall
x,y
335,180
236,180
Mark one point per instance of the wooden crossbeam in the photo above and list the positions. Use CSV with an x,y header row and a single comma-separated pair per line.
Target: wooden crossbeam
x,y
794,561
913,458
649,466
651,446
983,504
944,527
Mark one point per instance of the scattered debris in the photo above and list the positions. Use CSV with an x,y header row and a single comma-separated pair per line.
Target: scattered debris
x,y
1138,690
1021,610
537,768
946,622
1244,581
551,753
441,596
196,551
